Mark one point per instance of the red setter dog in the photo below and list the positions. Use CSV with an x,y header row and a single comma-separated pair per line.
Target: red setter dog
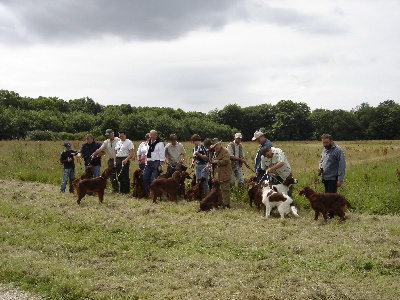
x,y
87,174
94,185
195,192
169,186
139,190
255,194
213,199
184,175
326,202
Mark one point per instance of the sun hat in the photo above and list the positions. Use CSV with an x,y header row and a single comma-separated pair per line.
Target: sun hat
x,y
257,135
109,131
214,142
238,135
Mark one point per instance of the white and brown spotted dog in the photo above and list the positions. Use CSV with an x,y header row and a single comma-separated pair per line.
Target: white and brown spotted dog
x,y
272,199
285,185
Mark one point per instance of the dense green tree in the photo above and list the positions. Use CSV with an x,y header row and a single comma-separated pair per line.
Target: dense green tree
x,y
255,118
292,121
341,124
386,121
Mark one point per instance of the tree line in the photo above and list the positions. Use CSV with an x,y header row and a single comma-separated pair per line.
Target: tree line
x,y
51,118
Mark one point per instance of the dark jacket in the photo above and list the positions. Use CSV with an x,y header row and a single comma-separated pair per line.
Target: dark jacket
x,y
64,159
89,149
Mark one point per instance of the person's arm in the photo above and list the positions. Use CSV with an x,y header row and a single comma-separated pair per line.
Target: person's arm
x,y
274,168
342,169
102,148
131,154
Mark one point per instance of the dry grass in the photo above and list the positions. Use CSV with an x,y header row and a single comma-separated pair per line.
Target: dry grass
x,y
133,249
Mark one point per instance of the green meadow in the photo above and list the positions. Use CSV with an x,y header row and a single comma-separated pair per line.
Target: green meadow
x,y
130,248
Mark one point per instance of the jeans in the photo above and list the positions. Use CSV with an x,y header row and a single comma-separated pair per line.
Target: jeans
x,y
96,171
150,173
200,173
68,174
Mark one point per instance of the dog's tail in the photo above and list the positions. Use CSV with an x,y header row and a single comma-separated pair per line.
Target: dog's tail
x,y
349,205
294,210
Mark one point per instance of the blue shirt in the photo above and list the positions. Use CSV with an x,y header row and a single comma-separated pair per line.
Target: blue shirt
x,y
333,163
257,160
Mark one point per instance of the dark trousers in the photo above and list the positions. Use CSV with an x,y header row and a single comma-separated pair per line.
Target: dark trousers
x,y
123,176
113,179
150,173
330,187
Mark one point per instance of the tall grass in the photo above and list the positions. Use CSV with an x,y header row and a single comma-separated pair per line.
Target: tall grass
x,y
130,248
371,183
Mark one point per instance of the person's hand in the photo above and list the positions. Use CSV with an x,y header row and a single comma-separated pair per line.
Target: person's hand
x,y
339,183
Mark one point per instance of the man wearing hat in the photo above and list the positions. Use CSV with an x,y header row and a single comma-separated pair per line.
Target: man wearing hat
x,y
67,159
223,172
275,163
264,142
109,147
236,153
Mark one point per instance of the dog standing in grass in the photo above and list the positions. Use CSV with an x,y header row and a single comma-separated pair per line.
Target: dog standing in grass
x,y
94,185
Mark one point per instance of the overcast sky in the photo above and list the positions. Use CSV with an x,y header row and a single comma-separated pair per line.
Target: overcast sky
x,y
199,55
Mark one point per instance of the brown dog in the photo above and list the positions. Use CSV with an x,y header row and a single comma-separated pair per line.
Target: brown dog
x,y
94,185
195,192
169,186
326,202
255,194
139,190
182,186
87,174
213,199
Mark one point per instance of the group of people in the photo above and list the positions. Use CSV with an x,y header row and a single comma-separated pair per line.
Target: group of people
x,y
209,158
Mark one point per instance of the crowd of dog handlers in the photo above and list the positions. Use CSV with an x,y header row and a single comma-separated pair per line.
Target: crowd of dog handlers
x,y
215,168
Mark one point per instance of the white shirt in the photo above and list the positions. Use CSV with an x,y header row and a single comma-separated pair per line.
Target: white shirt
x,y
158,153
277,157
123,147
109,146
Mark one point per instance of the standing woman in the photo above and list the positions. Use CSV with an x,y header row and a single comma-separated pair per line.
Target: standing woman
x,y
142,152
199,161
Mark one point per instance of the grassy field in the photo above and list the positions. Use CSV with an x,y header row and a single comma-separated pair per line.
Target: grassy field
x,y
129,248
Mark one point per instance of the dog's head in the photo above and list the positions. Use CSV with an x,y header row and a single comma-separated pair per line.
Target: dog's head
x,y
289,181
306,191
216,184
138,173
177,176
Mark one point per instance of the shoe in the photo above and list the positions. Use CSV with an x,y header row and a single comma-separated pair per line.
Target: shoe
x,y
228,206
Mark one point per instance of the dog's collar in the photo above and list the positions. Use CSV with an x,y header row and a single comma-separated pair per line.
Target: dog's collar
x,y
311,196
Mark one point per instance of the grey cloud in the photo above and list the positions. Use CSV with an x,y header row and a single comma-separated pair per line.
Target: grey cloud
x,y
74,20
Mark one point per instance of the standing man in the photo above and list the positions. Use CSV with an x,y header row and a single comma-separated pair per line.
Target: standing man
x,y
332,166
174,153
236,153
223,172
264,142
155,159
109,146
87,149
200,157
122,154
275,164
